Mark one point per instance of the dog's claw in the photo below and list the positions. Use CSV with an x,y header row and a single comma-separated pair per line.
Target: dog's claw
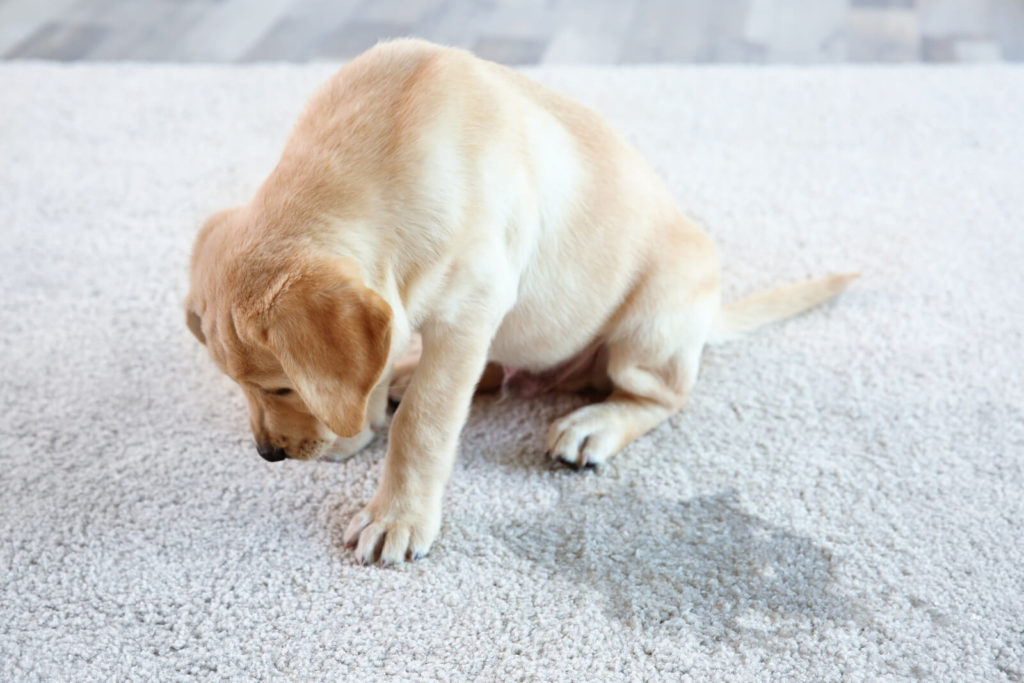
x,y
584,464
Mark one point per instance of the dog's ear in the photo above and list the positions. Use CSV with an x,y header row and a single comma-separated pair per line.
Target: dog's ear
x,y
332,336
195,323
204,256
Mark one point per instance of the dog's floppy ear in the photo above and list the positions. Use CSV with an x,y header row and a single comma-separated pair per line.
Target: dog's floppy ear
x,y
195,323
332,336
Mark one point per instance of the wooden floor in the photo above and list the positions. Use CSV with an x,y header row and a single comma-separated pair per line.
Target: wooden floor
x,y
519,31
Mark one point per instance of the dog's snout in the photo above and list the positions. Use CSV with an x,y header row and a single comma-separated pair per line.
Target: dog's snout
x,y
270,453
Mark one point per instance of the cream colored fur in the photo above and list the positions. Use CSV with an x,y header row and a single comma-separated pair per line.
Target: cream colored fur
x,y
502,223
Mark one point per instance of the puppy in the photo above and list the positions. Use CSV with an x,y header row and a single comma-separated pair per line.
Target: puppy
x,y
425,191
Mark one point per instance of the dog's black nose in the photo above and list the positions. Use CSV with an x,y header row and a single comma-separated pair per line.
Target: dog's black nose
x,y
270,453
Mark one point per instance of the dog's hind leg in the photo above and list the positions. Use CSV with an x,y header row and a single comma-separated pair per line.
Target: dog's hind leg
x,y
654,350
649,385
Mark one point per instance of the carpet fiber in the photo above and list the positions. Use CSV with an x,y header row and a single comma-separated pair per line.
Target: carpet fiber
x,y
842,497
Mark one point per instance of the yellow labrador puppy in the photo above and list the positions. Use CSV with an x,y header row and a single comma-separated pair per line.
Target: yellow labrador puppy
x,y
426,191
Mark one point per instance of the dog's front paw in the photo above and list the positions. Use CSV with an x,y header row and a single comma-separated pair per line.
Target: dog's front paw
x,y
390,531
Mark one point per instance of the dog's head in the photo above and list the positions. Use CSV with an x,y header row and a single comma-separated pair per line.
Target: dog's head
x,y
297,329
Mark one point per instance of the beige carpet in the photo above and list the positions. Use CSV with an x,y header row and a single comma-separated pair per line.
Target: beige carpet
x,y
843,498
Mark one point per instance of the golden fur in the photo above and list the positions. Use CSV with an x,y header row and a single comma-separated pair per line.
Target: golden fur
x,y
427,194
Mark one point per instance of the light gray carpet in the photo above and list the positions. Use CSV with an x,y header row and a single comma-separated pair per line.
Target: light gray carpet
x,y
842,499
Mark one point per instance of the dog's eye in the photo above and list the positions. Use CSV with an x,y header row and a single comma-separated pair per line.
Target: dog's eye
x,y
279,392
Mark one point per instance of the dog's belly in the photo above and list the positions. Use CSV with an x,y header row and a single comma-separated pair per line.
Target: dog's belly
x,y
564,300
585,369
557,323
538,341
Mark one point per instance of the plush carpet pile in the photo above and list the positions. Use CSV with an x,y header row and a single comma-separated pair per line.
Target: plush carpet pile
x,y
842,498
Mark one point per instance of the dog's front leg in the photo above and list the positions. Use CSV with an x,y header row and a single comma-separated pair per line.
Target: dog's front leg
x,y
404,516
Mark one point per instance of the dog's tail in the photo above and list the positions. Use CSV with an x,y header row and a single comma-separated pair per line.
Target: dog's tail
x,y
746,315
